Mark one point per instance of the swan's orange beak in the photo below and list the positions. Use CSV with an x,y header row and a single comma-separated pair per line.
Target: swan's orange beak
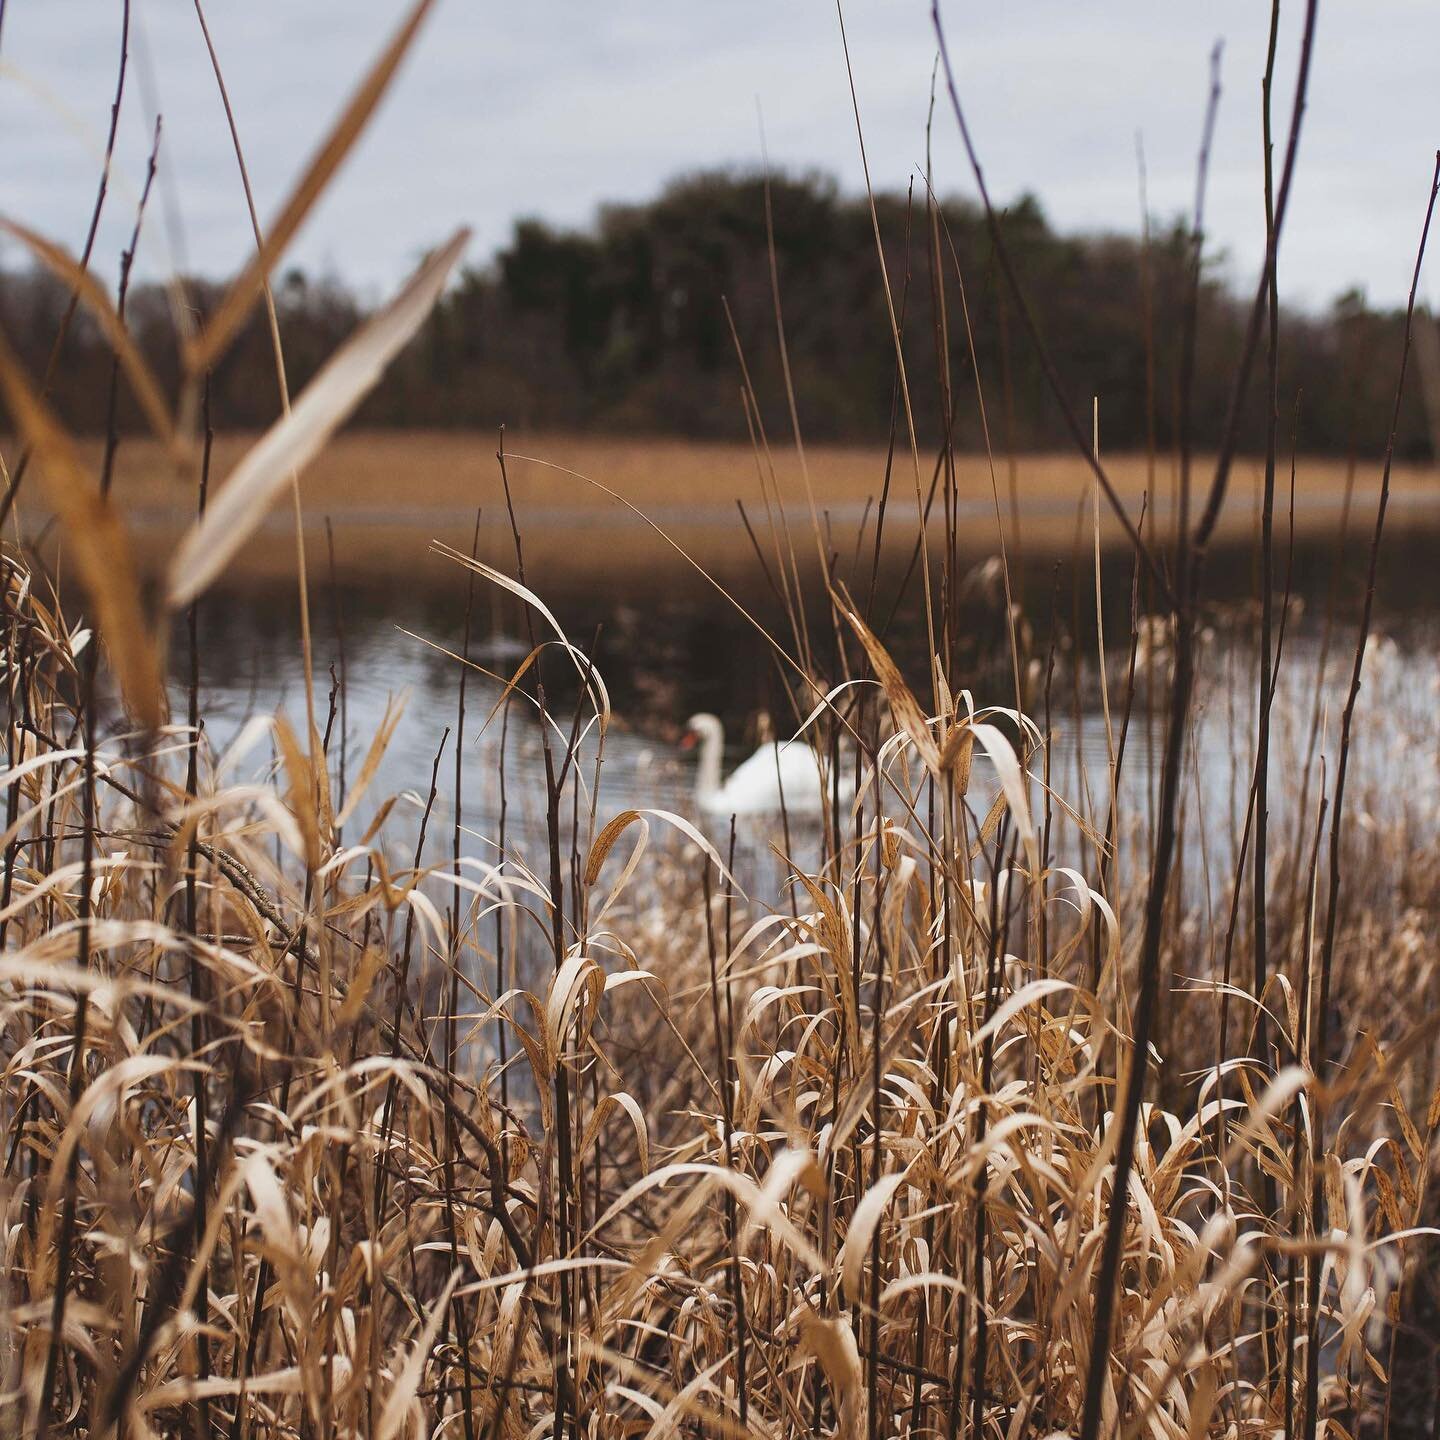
x,y
689,740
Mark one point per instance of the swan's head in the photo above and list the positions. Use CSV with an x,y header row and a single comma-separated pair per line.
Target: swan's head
x,y
702,729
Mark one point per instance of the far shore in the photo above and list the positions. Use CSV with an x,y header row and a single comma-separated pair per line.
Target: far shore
x,y
387,494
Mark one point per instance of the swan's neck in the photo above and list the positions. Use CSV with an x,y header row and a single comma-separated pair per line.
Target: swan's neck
x,y
707,774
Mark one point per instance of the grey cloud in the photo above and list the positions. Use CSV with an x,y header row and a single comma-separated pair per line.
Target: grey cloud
x,y
554,106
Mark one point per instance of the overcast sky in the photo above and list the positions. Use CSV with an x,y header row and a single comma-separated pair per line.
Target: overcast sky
x,y
548,107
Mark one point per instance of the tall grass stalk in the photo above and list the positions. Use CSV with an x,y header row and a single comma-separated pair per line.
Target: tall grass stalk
x,y
993,1119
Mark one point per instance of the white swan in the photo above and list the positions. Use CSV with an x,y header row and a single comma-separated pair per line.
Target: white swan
x,y
778,776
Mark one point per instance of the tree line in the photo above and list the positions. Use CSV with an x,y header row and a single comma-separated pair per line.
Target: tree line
x,y
652,320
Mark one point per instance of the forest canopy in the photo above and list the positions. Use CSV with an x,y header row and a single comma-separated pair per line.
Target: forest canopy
x,y
636,323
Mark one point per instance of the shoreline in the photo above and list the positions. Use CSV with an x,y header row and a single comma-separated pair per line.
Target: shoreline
x,y
384,496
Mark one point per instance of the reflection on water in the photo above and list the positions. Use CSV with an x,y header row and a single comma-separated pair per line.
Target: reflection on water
x,y
697,653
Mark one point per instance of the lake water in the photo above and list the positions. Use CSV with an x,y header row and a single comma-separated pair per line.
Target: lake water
x,y
691,650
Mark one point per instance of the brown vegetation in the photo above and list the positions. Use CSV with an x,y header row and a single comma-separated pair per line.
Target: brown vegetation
x,y
387,494
986,1127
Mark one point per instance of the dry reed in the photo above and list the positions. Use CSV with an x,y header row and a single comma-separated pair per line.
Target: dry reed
x,y
305,1140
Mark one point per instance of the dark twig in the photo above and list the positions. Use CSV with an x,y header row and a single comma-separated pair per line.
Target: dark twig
x,y
1332,911
1047,365
21,465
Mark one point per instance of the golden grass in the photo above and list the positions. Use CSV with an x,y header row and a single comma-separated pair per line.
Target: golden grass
x,y
840,1169
314,1131
387,494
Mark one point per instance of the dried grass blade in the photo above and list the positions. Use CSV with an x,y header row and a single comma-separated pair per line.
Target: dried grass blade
x,y
863,1224
65,267
399,1400
384,732
903,704
294,440
207,346
1012,783
604,841
99,542
832,1342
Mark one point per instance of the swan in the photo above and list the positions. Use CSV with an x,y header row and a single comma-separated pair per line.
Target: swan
x,y
780,775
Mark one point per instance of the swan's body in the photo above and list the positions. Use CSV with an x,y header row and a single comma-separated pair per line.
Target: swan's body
x,y
784,776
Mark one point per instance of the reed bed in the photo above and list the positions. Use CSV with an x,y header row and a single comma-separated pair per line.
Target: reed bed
x,y
387,495
1023,1109
332,1160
